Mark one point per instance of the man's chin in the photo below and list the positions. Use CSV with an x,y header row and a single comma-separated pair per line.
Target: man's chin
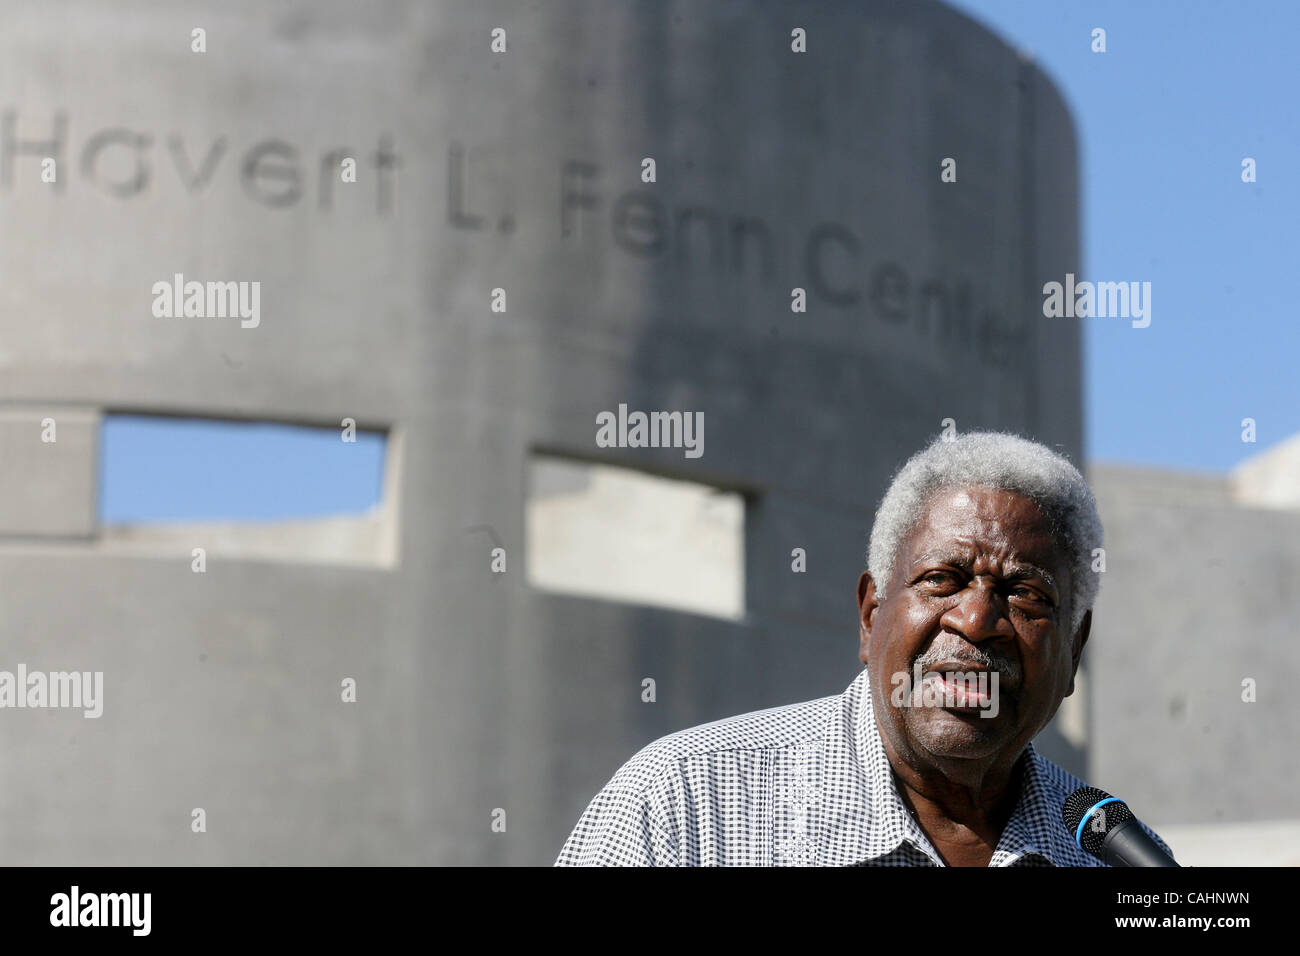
x,y
959,734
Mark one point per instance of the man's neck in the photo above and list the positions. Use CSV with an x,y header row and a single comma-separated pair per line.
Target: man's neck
x,y
963,820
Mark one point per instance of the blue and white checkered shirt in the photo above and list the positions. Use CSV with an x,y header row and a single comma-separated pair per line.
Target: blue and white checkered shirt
x,y
803,785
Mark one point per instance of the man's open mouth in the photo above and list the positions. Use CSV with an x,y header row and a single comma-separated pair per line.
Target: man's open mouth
x,y
969,689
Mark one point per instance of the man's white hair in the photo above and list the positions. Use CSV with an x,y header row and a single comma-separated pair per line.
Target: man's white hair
x,y
1007,462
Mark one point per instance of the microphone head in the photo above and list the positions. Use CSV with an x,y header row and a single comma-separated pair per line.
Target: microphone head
x,y
1100,810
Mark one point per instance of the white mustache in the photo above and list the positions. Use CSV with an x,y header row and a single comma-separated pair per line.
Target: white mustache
x,y
1007,669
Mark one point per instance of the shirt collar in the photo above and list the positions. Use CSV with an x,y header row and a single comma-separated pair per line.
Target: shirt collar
x,y
865,819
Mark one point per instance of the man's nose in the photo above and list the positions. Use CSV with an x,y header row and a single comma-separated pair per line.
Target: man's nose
x,y
980,614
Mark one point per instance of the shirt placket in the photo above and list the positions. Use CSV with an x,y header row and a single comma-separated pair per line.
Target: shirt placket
x,y
801,797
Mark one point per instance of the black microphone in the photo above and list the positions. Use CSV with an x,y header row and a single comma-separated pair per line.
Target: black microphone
x,y
1105,827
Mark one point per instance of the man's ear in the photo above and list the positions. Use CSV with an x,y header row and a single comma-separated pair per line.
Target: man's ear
x,y
1080,639
867,605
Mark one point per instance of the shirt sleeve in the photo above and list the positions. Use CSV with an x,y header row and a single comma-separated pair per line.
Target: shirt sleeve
x,y
620,827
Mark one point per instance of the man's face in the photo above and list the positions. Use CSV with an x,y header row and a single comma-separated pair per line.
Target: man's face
x,y
979,583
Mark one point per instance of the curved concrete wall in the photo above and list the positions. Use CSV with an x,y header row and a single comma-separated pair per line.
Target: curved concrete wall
x,y
521,171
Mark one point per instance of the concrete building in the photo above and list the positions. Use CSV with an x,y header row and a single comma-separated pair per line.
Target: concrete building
x,y
499,275
1191,714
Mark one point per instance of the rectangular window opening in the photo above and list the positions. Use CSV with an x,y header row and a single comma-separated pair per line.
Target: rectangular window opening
x,y
249,490
603,531
157,469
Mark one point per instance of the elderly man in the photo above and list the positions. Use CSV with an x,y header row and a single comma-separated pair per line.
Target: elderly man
x,y
973,613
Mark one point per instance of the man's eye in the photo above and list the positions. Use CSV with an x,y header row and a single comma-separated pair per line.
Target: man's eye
x,y
939,577
1026,594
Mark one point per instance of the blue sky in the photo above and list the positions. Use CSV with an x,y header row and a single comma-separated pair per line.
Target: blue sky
x,y
1185,91
160,469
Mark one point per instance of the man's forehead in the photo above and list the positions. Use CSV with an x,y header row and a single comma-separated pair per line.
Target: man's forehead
x,y
969,518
